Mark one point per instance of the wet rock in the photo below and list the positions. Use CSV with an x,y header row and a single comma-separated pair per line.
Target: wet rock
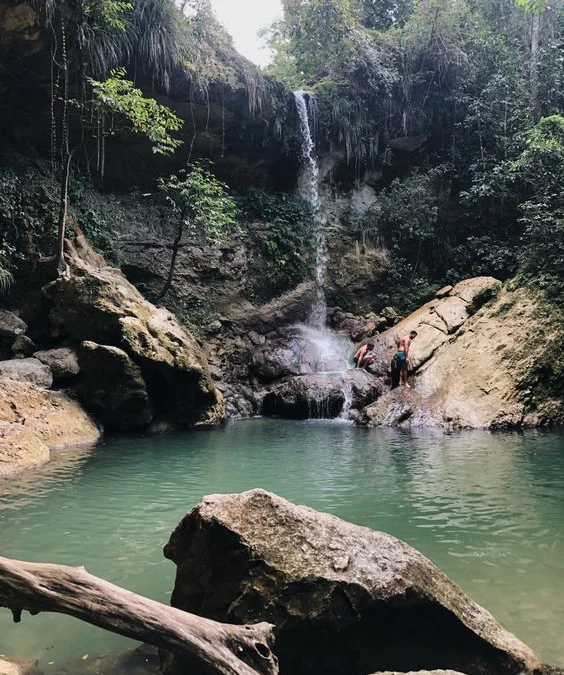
x,y
10,666
256,339
11,325
27,370
306,396
344,600
23,346
20,449
321,395
114,389
62,361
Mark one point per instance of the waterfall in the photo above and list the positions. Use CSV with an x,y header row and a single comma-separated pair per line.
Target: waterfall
x,y
309,190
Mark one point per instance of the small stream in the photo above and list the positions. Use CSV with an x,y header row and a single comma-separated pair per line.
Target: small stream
x,y
486,508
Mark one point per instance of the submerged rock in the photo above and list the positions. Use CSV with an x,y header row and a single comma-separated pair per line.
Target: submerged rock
x,y
10,666
345,600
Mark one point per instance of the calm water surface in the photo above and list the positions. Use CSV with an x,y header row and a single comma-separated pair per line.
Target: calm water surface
x,y
486,508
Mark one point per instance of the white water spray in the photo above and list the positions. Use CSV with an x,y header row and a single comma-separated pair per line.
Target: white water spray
x,y
309,190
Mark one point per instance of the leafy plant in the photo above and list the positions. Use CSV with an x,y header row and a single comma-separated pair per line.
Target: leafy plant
x,y
201,207
279,233
144,115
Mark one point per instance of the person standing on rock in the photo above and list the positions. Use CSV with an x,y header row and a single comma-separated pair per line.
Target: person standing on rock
x,y
400,362
364,356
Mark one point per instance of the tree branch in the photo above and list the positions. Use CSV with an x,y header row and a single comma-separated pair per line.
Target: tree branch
x,y
222,648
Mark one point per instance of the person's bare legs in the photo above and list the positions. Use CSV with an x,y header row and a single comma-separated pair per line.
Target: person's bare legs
x,y
404,377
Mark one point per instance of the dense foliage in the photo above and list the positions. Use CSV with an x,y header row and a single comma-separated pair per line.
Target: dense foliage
x,y
278,228
440,99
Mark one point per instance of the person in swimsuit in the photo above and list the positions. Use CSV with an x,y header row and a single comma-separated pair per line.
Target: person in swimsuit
x,y
363,356
399,361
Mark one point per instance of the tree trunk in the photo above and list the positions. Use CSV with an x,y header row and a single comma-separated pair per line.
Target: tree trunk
x,y
63,209
220,648
175,248
534,65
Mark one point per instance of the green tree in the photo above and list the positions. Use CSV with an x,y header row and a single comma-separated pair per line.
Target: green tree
x,y
201,207
540,175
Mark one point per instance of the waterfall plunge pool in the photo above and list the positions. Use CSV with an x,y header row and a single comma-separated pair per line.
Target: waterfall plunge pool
x,y
487,508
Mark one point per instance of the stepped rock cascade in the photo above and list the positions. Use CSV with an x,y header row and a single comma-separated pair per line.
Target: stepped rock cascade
x,y
309,190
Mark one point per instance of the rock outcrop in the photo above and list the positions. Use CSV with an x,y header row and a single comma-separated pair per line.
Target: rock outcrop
x,y
97,304
27,370
34,420
495,366
345,600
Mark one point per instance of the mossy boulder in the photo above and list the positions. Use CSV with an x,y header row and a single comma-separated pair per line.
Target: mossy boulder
x,y
98,304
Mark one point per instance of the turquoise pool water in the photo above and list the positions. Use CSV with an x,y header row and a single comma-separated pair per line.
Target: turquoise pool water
x,y
487,508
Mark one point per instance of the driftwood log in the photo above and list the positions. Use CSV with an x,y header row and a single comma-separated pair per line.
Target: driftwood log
x,y
218,647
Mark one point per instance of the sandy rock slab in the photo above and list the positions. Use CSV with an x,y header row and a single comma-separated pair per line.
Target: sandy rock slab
x,y
345,600
34,421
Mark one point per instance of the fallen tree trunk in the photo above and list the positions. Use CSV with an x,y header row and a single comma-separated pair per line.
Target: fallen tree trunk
x,y
219,648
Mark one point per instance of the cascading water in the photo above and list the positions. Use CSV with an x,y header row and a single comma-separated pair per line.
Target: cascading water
x,y
321,351
309,190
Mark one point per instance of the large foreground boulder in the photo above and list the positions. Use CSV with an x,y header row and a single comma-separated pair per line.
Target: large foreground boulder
x,y
97,303
345,600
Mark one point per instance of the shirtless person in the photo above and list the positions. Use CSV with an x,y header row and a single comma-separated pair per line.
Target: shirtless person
x,y
399,362
363,357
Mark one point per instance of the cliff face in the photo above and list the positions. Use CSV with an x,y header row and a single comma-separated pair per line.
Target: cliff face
x,y
243,122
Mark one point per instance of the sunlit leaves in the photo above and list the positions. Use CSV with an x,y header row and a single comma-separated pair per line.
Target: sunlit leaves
x,y
201,203
145,115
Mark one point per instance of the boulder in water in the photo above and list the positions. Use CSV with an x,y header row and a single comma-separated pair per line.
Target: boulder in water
x,y
322,395
114,388
344,599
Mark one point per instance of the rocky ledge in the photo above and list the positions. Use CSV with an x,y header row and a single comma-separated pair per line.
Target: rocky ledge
x,y
485,356
34,421
344,599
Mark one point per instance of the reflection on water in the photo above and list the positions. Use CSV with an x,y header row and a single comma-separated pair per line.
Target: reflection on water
x,y
486,508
